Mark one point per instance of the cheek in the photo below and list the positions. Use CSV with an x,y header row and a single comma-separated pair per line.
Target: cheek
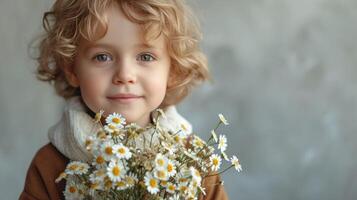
x,y
92,87
157,87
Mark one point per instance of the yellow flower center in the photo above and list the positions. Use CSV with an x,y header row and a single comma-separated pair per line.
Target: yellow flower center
x,y
121,150
99,160
183,180
183,188
153,183
164,183
109,150
73,167
170,168
172,187
111,126
161,174
215,162
160,162
116,171
116,120
72,189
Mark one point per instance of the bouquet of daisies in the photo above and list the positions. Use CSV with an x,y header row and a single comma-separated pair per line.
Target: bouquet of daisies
x,y
131,162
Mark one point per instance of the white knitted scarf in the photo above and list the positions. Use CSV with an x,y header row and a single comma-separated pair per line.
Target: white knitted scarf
x,y
70,133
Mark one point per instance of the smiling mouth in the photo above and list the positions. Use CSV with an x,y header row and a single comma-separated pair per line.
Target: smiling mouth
x,y
124,98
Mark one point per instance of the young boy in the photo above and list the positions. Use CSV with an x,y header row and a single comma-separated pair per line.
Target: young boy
x,y
123,56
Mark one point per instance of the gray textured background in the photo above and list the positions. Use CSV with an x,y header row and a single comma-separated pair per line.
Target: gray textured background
x,y
285,76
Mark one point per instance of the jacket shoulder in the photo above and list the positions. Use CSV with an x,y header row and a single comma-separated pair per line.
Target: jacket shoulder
x,y
45,167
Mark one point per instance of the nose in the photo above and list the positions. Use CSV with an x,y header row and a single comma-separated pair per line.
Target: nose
x,y
124,73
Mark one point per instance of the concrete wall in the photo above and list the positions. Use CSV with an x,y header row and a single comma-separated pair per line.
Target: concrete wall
x,y
284,76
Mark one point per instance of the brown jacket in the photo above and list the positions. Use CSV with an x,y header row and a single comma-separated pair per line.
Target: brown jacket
x,y
48,163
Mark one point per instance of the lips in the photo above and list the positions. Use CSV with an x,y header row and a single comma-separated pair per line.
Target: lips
x,y
124,97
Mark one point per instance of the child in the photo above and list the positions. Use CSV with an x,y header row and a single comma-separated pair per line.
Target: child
x,y
123,56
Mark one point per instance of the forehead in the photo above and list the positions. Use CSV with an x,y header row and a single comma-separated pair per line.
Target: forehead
x,y
120,31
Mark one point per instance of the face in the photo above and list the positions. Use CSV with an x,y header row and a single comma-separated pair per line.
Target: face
x,y
120,73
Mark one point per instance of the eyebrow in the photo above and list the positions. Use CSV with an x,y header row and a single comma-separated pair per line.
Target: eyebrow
x,y
144,45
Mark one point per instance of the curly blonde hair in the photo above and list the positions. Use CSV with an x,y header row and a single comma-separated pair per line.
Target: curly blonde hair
x,y
71,20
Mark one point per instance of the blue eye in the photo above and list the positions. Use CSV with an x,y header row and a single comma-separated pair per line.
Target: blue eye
x,y
146,57
102,58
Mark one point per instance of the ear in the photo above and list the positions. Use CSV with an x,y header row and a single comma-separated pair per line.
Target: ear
x,y
71,76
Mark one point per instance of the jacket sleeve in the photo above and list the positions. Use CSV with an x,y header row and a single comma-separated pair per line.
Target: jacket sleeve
x,y
214,189
45,167
35,188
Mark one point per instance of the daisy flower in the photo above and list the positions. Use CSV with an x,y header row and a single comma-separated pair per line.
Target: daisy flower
x,y
161,174
83,168
97,175
215,162
108,150
222,144
181,179
151,183
171,188
235,162
72,192
198,143
123,151
131,179
160,161
182,187
116,170
76,167
223,119
163,183
99,161
116,120
121,185
110,128
171,168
